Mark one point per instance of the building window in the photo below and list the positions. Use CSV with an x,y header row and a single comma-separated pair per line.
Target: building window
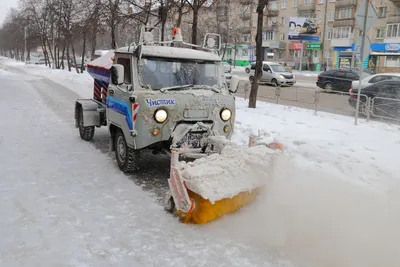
x,y
245,38
360,33
331,16
295,3
320,1
344,13
380,33
329,35
282,37
283,3
273,5
392,30
308,2
283,20
269,36
342,32
382,12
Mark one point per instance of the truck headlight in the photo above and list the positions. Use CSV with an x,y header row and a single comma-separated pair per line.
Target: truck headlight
x,y
160,115
226,114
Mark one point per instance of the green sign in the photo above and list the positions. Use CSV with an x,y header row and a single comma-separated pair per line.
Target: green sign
x,y
313,46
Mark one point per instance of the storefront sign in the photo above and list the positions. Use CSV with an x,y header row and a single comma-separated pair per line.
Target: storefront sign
x,y
385,47
392,47
313,46
295,46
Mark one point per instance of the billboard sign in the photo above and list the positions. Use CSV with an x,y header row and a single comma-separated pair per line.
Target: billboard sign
x,y
304,29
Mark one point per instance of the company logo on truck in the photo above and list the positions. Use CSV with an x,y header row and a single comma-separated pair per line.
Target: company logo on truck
x,y
160,102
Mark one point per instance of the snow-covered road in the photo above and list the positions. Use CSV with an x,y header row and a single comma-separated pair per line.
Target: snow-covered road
x,y
334,201
65,203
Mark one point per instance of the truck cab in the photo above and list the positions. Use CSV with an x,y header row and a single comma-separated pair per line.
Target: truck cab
x,y
160,96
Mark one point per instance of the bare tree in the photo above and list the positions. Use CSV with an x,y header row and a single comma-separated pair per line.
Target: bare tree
x,y
258,72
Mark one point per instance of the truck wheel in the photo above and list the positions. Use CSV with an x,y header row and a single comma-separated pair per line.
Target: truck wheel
x,y
87,132
127,158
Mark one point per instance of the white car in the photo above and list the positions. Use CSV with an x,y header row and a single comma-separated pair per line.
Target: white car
x,y
375,78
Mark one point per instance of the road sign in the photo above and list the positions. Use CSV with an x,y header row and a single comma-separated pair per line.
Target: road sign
x,y
360,15
367,48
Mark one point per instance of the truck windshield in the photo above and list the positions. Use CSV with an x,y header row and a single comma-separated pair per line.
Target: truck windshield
x,y
162,73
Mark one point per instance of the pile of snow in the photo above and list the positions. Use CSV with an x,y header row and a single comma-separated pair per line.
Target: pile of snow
x,y
103,62
233,171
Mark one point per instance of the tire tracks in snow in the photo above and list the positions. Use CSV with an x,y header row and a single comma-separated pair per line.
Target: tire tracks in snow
x,y
154,169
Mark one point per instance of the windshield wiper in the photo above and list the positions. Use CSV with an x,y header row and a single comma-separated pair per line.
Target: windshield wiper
x,y
178,87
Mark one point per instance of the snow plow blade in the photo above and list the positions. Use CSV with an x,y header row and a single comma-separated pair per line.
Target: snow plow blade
x,y
219,184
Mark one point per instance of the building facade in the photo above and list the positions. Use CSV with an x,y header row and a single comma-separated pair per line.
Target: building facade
x,y
339,33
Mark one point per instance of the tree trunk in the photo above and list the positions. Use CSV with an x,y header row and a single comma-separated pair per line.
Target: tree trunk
x,y
195,23
73,56
83,52
113,42
180,14
258,72
63,56
68,62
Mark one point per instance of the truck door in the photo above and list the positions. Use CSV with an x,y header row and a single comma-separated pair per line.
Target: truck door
x,y
119,107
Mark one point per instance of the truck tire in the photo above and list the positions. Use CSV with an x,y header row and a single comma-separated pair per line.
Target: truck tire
x,y
87,132
127,158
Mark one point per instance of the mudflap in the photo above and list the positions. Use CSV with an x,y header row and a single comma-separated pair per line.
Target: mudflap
x,y
92,112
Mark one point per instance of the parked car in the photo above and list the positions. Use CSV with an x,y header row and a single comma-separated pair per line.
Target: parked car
x,y
274,74
339,79
385,95
227,73
375,78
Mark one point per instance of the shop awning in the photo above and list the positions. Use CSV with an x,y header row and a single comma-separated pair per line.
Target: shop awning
x,y
384,54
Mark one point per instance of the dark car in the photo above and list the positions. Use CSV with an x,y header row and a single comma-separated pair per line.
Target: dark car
x,y
385,97
339,79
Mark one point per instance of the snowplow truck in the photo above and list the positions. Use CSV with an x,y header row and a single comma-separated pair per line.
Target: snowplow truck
x,y
172,97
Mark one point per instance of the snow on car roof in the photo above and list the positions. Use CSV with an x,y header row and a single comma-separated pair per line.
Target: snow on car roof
x,y
173,52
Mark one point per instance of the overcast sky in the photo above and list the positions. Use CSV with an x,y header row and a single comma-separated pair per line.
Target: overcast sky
x,y
5,6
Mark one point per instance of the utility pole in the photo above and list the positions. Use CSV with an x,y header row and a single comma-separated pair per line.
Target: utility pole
x,y
324,31
361,59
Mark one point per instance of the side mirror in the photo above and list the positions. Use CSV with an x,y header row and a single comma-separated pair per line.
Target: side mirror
x,y
117,74
234,83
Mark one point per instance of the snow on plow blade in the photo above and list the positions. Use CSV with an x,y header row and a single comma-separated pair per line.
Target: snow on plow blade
x,y
213,186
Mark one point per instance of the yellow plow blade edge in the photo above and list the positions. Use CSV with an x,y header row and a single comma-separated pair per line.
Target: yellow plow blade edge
x,y
204,211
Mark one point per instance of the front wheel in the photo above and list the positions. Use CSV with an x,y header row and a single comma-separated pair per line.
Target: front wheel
x,y
247,70
275,83
86,132
251,78
127,158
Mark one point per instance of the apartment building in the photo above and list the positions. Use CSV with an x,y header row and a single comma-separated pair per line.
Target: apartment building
x,y
338,33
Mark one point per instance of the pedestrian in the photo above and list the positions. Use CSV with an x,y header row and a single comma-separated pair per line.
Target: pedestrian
x,y
324,65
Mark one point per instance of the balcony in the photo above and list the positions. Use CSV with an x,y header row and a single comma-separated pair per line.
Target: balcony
x,y
396,2
272,13
345,3
245,15
246,2
270,28
395,18
309,7
245,30
343,23
342,42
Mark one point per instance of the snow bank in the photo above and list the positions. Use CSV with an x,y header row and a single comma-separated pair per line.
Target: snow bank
x,y
233,171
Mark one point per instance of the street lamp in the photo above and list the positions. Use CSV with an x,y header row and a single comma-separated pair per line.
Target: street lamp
x,y
324,29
